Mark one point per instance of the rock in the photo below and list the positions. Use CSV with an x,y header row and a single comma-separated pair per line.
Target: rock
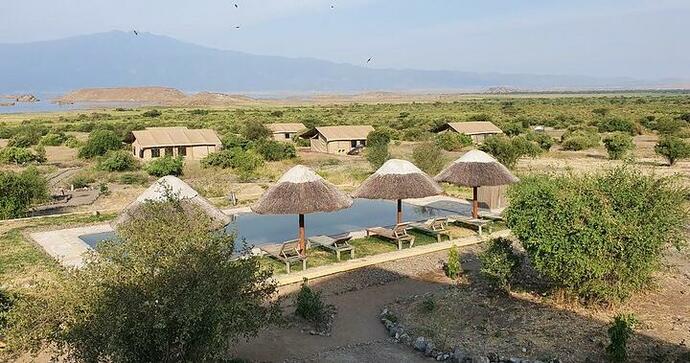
x,y
420,344
446,356
429,348
392,330
399,332
26,98
439,357
384,312
458,355
481,359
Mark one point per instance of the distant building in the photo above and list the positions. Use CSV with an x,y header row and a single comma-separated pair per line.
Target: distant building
x,y
477,130
285,131
156,142
337,139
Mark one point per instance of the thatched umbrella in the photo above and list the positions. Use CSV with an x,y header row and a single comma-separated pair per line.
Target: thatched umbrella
x,y
397,180
474,169
171,187
300,191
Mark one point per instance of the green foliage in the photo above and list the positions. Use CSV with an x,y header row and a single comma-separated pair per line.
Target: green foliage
x,y
171,290
508,150
152,113
53,139
453,267
233,140
167,165
21,155
377,148
514,128
18,191
618,144
5,306
617,124
619,332
672,148
452,141
117,160
245,162
26,135
81,181
668,125
99,143
311,307
272,150
601,111
580,138
428,157
544,141
73,142
598,236
254,130
499,262
133,179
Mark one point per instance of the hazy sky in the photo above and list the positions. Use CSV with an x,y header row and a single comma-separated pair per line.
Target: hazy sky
x,y
635,38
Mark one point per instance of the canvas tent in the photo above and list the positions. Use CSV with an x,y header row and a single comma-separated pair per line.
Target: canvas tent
x,y
285,131
477,130
155,142
337,139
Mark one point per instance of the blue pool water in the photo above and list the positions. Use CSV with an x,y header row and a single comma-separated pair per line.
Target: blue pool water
x,y
262,229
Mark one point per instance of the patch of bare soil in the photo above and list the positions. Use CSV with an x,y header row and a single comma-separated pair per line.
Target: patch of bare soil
x,y
531,326
123,94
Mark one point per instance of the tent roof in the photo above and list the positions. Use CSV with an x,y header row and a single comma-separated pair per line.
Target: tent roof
x,y
175,136
472,127
337,133
285,127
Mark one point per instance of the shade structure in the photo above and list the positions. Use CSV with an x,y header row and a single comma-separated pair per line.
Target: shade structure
x,y
301,191
397,180
475,169
170,186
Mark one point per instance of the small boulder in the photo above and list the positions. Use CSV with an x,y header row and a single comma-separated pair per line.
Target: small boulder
x,y
458,355
420,344
429,348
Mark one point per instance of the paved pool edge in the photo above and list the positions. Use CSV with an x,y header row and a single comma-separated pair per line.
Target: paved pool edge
x,y
65,245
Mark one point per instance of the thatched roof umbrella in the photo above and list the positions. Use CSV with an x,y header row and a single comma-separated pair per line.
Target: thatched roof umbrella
x,y
301,191
167,187
474,169
397,180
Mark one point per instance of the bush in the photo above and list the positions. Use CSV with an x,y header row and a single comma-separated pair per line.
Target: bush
x,y
82,181
20,155
5,306
198,302
599,237
254,130
617,144
428,157
244,161
272,150
118,160
617,124
377,148
453,267
672,148
53,139
428,305
669,126
514,128
499,262
508,150
620,331
233,140
544,141
18,191
133,178
580,138
167,165
452,141
73,142
152,113
99,143
310,307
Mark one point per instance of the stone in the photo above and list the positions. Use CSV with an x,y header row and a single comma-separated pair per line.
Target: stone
x,y
458,355
392,330
481,359
446,356
429,348
384,312
420,344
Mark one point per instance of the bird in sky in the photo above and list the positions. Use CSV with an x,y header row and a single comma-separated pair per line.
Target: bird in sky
x,y
236,6
135,32
237,26
369,60
332,6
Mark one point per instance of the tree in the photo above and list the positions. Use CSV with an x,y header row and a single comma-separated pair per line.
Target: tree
x,y
272,150
377,148
508,150
617,144
580,138
21,155
428,157
245,162
614,124
19,190
170,290
599,236
167,165
254,130
452,141
673,148
99,143
118,160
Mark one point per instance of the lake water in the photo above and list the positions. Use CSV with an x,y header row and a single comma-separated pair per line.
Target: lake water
x,y
263,229
46,105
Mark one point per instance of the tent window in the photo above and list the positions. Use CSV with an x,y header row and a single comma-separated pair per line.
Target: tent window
x,y
181,151
353,143
169,151
287,135
141,153
155,152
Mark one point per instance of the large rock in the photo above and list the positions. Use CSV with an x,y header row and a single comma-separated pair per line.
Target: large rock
x,y
26,98
429,348
420,344
459,355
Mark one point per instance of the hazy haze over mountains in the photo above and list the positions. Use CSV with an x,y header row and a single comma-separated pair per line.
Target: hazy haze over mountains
x,y
119,59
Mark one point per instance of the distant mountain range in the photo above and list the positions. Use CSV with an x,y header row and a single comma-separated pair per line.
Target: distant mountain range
x,y
119,59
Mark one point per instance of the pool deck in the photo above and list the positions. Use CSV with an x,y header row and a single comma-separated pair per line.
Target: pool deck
x,y
65,245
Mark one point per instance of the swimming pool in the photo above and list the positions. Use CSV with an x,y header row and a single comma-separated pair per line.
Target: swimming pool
x,y
262,229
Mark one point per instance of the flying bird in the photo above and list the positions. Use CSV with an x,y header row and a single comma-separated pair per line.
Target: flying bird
x,y
135,32
369,60
332,7
237,26
236,6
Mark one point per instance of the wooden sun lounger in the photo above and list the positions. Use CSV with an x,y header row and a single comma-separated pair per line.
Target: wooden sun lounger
x,y
287,252
398,234
479,223
435,227
336,244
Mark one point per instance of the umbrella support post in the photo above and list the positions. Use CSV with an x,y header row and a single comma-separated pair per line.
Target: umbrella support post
x,y
475,203
398,217
302,246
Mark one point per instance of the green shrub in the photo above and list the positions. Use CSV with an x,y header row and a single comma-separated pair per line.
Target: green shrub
x,y
377,148
117,160
619,332
234,140
453,267
618,144
672,148
133,178
21,155
152,113
499,262
19,190
254,130
669,126
99,143
245,162
580,138
617,124
544,141
167,165
311,307
53,139
597,236
514,128
452,141
5,306
508,150
82,181
301,142
198,112
428,157
73,142
272,150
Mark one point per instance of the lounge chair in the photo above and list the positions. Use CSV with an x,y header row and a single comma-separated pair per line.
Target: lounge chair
x,y
435,227
287,252
398,234
479,223
336,244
